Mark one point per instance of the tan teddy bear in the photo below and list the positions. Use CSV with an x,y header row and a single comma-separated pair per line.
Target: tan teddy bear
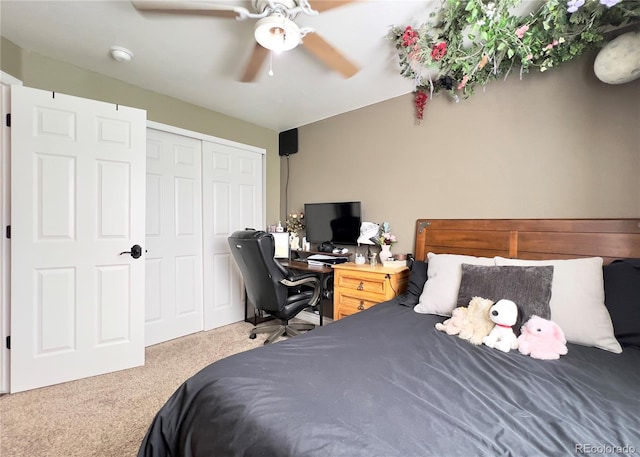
x,y
453,325
477,323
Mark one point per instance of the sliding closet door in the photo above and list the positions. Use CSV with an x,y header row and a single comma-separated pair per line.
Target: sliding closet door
x,y
174,237
233,198
77,209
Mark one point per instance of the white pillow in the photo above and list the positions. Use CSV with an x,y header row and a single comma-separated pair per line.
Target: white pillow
x,y
440,293
577,300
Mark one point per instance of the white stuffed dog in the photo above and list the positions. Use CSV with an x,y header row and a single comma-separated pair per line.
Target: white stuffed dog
x,y
504,313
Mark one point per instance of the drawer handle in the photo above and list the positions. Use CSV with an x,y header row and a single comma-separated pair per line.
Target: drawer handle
x,y
361,286
361,305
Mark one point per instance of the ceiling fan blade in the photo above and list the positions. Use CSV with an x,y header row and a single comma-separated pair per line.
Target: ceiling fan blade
x,y
324,5
329,55
187,7
255,63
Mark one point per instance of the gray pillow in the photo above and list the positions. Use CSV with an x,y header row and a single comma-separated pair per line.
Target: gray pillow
x,y
528,287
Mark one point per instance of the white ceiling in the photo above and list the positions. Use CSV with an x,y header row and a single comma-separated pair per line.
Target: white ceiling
x,y
200,59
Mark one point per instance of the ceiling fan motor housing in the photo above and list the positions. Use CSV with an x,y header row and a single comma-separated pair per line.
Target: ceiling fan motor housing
x,y
283,5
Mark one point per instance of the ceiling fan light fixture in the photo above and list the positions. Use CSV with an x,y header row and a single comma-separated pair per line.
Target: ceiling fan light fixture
x,y
277,33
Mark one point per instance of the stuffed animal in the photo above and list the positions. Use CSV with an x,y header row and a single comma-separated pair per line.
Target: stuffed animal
x,y
453,325
542,339
477,323
504,314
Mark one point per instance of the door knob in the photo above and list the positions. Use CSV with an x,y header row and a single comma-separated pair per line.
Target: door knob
x,y
136,251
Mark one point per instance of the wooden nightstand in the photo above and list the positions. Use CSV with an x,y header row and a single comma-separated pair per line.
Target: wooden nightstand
x,y
358,287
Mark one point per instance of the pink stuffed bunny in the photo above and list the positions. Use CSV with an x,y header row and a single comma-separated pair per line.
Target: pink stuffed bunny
x,y
542,339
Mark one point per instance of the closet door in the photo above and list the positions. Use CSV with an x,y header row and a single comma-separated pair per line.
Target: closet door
x,y
174,237
233,199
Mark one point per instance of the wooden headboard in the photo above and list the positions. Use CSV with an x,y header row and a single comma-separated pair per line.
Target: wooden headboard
x,y
530,238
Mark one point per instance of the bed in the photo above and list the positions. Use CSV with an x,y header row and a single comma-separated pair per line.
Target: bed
x,y
384,382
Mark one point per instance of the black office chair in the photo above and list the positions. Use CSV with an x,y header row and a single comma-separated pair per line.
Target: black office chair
x,y
270,287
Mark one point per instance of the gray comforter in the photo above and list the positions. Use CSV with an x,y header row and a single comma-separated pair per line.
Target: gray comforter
x,y
386,383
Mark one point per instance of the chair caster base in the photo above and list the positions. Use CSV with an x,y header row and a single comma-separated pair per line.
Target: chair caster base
x,y
252,336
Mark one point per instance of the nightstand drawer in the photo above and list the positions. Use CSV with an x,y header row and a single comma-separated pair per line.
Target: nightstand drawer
x,y
350,305
345,298
376,285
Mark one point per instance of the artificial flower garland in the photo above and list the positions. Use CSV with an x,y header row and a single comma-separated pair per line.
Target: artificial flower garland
x,y
468,43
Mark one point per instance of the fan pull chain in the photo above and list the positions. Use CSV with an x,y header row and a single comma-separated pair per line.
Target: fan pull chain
x,y
271,63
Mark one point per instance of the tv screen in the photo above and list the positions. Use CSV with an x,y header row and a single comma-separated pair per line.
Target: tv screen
x,y
338,223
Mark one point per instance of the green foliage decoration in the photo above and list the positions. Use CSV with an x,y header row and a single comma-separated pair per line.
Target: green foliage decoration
x,y
467,43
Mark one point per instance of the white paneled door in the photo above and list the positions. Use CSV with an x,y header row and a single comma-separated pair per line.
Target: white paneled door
x,y
232,182
77,208
174,237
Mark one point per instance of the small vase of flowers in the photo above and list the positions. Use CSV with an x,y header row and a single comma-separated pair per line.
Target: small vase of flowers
x,y
385,240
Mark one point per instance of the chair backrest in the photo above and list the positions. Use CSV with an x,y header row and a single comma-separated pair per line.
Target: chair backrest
x,y
253,251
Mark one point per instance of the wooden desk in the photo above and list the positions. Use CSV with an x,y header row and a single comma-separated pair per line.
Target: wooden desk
x,y
325,273
304,266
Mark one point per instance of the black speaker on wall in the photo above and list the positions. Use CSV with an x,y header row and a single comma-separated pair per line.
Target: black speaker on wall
x,y
288,142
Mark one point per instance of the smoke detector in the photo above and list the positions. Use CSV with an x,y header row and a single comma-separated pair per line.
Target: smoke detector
x,y
120,54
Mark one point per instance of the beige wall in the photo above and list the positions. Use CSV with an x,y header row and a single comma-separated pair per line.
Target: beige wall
x,y
10,57
555,144
40,72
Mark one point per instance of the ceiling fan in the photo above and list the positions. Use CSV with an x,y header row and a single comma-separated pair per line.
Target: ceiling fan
x,y
274,31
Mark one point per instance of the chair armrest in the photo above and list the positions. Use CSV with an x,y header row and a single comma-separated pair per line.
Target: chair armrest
x,y
298,280
308,279
300,276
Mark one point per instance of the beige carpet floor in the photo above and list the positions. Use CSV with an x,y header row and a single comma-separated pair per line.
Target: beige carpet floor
x,y
108,415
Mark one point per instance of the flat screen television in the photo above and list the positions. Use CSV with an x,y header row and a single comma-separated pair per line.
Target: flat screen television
x,y
337,222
